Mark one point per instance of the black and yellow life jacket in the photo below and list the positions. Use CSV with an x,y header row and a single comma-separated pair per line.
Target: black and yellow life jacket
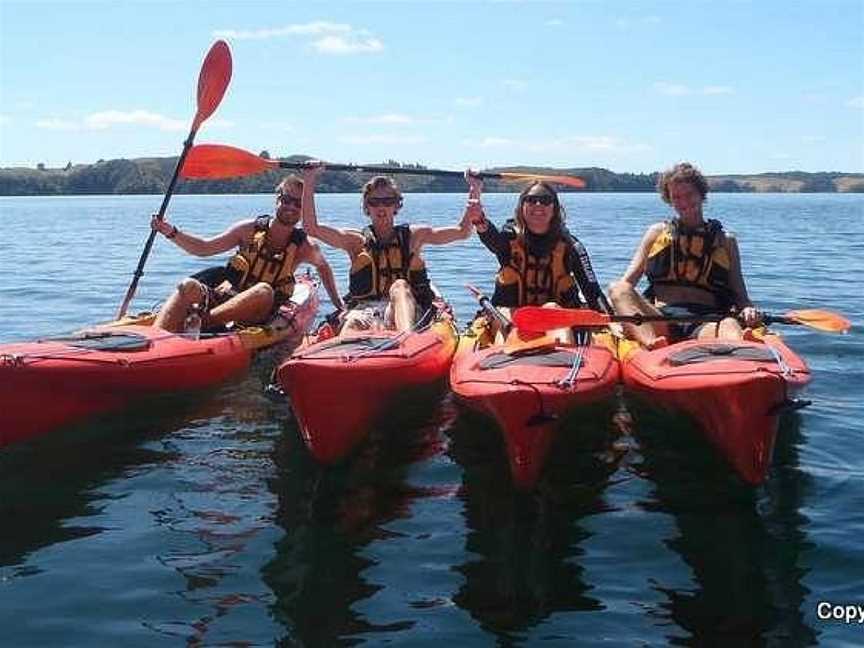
x,y
692,258
528,279
379,265
255,262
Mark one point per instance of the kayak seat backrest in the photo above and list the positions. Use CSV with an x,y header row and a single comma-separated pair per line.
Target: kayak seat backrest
x,y
540,358
105,341
708,353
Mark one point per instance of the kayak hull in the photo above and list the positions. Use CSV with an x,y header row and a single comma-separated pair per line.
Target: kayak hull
x,y
526,393
340,387
46,384
735,392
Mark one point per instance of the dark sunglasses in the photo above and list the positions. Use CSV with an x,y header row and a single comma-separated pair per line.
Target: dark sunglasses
x,y
288,199
382,202
539,199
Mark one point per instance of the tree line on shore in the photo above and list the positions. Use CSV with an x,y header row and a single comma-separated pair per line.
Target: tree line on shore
x,y
152,175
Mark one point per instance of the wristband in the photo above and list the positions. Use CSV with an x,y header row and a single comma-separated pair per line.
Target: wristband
x,y
173,232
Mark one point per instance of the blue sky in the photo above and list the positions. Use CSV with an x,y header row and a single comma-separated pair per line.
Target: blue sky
x,y
736,87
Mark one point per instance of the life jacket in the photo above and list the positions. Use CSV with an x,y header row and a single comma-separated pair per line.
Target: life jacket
x,y
379,265
696,259
526,279
255,262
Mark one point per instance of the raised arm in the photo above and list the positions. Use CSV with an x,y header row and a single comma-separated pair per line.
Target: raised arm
x,y
636,268
580,265
312,254
231,238
423,235
343,239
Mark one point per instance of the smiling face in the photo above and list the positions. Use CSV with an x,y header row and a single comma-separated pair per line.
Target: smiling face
x,y
381,202
288,201
537,209
687,200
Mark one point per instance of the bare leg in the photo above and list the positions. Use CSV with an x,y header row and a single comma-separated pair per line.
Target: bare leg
x,y
252,306
626,301
727,329
173,313
404,305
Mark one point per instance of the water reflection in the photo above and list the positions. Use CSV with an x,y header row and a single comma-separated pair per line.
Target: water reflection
x,y
331,516
744,547
525,549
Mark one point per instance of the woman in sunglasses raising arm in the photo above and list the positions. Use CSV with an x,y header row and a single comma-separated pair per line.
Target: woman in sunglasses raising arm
x,y
258,279
388,285
541,262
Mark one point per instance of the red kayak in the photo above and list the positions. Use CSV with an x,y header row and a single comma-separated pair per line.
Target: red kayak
x,y
340,387
529,388
54,382
734,390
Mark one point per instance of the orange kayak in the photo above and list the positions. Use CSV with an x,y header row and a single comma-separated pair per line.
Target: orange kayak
x,y
340,387
529,388
734,390
49,383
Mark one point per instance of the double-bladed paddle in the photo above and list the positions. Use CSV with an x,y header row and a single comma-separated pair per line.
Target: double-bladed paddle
x,y
536,318
218,161
212,83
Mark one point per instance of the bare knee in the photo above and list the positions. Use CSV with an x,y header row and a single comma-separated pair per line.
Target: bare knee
x,y
399,288
620,290
191,290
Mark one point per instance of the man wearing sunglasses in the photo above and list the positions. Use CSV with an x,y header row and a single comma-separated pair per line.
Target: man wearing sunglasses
x,y
388,283
258,278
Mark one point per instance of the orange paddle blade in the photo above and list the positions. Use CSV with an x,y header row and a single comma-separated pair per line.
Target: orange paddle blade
x,y
213,81
821,320
217,161
569,181
537,318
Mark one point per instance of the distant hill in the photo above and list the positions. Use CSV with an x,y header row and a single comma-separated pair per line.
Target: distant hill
x,y
151,176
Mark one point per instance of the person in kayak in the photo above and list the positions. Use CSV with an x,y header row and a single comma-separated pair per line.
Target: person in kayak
x,y
692,265
388,285
541,262
258,278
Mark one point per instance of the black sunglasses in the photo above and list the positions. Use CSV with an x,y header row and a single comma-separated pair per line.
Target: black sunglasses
x,y
539,199
288,199
382,202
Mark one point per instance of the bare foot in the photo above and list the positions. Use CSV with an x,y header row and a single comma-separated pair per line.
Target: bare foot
x,y
658,343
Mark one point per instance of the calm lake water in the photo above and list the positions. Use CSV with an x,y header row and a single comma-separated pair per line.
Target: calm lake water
x,y
203,521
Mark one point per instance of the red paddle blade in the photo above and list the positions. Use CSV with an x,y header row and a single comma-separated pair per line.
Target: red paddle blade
x,y
821,320
569,181
213,81
537,318
217,161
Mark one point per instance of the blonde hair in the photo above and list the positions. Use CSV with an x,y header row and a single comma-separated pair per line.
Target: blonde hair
x,y
381,182
289,181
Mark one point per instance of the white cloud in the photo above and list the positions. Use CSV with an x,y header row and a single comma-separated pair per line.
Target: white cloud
x,y
554,22
468,102
813,139
570,144
856,102
390,118
384,139
652,20
718,90
780,156
5,119
108,118
671,89
53,123
326,37
349,45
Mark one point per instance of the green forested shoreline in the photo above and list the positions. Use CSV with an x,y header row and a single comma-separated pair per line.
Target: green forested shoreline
x,y
151,176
